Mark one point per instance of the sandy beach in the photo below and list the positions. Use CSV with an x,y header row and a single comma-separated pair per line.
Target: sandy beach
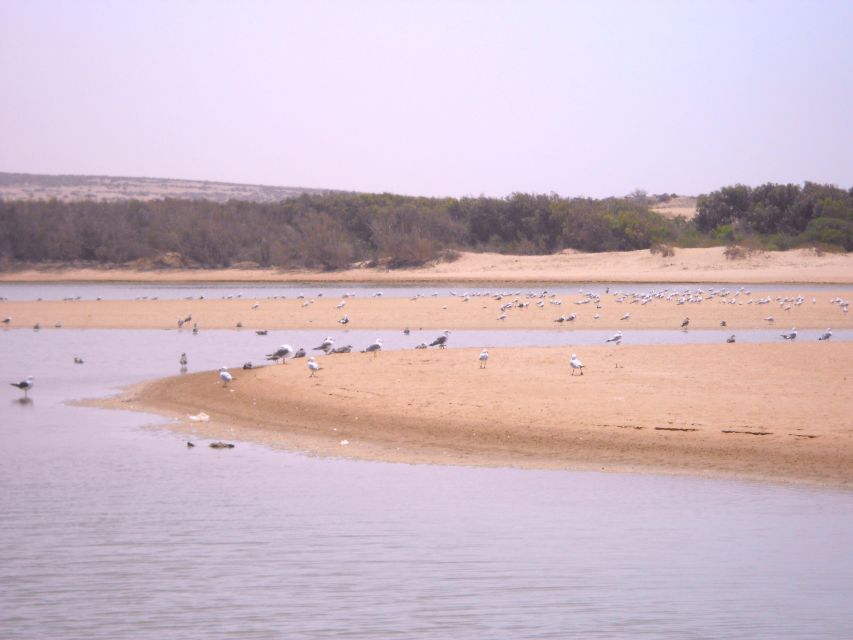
x,y
775,412
687,265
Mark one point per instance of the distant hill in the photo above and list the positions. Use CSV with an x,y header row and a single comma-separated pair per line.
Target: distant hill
x,y
26,186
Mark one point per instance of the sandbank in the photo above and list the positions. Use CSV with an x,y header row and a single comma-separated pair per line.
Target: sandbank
x,y
770,412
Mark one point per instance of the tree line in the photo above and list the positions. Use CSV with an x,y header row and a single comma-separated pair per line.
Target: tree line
x,y
334,230
779,216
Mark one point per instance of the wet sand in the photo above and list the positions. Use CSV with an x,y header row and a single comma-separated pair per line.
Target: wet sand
x,y
777,412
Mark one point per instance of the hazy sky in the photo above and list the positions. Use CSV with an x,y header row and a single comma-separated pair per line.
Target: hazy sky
x,y
432,98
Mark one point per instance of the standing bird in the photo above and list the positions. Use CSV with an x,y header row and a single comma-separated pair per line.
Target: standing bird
x,y
685,322
312,364
440,341
625,317
722,323
617,337
300,353
374,348
730,339
344,320
826,335
484,358
576,364
7,320
225,376
790,336
281,354
24,385
326,345
183,360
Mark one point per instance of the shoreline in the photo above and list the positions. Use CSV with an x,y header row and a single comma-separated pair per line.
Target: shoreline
x,y
695,410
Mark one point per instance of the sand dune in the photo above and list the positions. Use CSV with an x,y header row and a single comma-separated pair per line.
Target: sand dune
x,y
687,265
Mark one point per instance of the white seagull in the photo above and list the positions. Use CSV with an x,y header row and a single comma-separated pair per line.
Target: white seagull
x,y
225,376
730,339
312,364
790,336
826,335
484,358
625,317
24,385
617,337
374,348
344,320
281,353
576,364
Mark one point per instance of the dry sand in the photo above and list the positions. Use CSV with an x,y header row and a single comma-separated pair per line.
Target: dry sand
x,y
687,265
777,412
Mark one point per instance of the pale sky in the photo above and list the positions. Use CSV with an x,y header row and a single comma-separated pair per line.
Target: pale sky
x,y
432,98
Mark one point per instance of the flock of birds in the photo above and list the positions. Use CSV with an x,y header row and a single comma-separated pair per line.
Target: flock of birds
x,y
509,301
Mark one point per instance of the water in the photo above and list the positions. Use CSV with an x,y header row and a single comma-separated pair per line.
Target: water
x,y
113,528
261,290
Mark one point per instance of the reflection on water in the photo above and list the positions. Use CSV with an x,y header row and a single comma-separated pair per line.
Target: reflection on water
x,y
112,530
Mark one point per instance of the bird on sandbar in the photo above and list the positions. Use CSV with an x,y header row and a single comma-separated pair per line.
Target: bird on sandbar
x,y
790,336
225,376
326,345
576,364
374,348
685,322
281,353
313,366
344,320
826,335
440,341
730,339
300,353
484,358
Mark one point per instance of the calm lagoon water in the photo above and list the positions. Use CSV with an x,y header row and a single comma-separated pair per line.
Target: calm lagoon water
x,y
112,528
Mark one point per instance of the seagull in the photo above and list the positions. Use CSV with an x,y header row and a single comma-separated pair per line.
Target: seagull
x,y
722,323
24,385
344,349
183,359
576,364
248,365
344,320
617,337
325,345
225,376
282,353
625,317
374,348
406,331
341,304
790,336
312,364
262,332
769,318
730,339
300,353
422,345
685,322
195,329
502,316
440,341
78,360
484,358
7,319
826,335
